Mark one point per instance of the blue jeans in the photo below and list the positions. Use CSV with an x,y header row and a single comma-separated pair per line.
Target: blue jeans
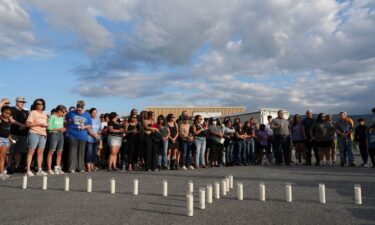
x,y
186,153
162,159
229,155
250,150
346,150
200,150
91,150
241,153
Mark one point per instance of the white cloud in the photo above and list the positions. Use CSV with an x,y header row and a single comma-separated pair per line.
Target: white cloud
x,y
292,54
16,37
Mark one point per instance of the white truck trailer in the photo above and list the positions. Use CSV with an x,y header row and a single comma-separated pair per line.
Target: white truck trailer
x,y
260,116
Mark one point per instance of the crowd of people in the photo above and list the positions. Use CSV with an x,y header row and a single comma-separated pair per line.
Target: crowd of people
x,y
80,140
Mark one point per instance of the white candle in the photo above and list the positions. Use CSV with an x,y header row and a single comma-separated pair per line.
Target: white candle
x,y
240,191
228,184
288,192
89,184
24,183
135,187
165,188
224,187
189,204
113,186
202,198
217,190
322,193
262,192
190,187
209,193
358,194
231,181
66,183
44,182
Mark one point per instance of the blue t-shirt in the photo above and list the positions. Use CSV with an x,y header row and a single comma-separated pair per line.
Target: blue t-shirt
x,y
96,126
75,120
371,139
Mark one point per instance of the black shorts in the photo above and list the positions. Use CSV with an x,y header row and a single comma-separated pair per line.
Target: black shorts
x,y
324,144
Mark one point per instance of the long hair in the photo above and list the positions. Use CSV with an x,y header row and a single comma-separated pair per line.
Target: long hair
x,y
33,106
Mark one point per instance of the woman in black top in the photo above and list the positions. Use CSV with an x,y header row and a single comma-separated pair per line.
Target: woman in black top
x,y
173,142
5,123
150,149
132,135
116,130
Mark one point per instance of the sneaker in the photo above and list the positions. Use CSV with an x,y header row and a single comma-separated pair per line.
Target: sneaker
x,y
183,168
50,172
60,171
365,165
191,167
4,176
41,173
72,171
30,174
82,171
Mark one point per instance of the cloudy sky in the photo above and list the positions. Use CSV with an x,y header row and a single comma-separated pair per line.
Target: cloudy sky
x,y
119,54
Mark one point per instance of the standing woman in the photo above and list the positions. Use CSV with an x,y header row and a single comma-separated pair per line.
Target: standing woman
x,y
5,124
150,149
321,133
56,139
116,130
93,141
173,142
249,143
38,123
187,139
78,124
240,144
199,132
164,131
298,139
133,130
215,134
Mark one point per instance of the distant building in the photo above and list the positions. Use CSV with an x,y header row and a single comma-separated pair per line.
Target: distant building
x,y
192,111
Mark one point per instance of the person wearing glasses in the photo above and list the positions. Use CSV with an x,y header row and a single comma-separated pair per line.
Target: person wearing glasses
x,y
132,130
56,131
78,123
37,122
19,133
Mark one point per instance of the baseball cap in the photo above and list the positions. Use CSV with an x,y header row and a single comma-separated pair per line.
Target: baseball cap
x,y
80,104
21,99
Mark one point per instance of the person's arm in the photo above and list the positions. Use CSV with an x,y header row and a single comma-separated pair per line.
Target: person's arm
x,y
31,122
178,133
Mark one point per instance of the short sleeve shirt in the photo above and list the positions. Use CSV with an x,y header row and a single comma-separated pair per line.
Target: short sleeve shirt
x,y
38,117
75,120
284,129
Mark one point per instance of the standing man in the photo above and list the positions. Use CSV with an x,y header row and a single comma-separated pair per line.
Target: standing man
x,y
281,133
270,139
19,133
344,131
310,143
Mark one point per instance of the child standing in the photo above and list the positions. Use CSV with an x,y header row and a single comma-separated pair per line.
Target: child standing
x,y
262,148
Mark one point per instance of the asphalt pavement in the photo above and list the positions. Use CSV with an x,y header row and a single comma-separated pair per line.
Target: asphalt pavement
x,y
55,206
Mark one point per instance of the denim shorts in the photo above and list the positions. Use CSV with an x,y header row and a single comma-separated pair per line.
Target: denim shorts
x,y
36,141
4,141
56,141
114,141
